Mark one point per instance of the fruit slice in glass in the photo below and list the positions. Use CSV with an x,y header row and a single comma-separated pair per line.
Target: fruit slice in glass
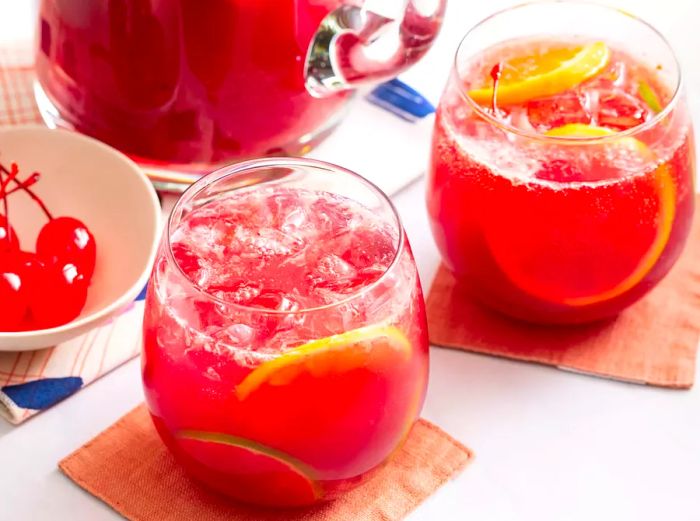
x,y
524,264
247,470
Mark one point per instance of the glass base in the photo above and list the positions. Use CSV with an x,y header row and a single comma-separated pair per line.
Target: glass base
x,y
174,177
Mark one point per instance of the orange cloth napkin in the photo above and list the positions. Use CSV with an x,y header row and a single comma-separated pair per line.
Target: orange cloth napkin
x,y
128,467
652,342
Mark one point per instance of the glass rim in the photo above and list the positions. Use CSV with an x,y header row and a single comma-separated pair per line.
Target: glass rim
x,y
578,140
235,169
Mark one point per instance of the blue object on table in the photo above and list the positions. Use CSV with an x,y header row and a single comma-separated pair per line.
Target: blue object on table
x,y
402,100
41,394
142,295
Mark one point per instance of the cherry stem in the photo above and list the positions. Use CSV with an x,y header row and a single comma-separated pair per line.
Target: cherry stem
x,y
3,185
30,193
26,183
496,73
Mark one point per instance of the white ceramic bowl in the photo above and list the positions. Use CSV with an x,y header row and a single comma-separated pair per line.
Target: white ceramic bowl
x,y
86,179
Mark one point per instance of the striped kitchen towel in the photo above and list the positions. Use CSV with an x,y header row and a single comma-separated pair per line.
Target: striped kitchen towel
x,y
31,381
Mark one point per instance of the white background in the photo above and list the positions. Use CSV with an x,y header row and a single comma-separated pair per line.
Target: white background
x,y
550,445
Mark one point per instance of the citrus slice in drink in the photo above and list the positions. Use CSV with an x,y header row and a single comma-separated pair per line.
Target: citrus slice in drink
x,y
373,345
247,470
587,244
648,94
340,403
552,72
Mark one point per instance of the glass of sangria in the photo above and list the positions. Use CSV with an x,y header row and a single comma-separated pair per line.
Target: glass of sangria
x,y
186,84
561,185
285,348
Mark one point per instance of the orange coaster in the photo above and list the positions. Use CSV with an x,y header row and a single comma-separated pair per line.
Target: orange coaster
x,y
652,342
129,468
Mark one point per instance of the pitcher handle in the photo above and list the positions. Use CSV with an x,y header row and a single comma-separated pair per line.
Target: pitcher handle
x,y
340,54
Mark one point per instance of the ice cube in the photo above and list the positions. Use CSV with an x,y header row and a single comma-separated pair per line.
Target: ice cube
x,y
294,221
330,214
368,247
265,242
275,300
289,212
236,335
185,257
236,291
619,110
556,111
331,268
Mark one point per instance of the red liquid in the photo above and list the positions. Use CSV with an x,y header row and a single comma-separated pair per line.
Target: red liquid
x,y
305,436
557,233
178,82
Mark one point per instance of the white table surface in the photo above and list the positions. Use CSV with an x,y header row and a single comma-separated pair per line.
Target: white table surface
x,y
549,445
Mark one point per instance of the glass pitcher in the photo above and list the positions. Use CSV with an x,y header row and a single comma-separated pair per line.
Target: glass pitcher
x,y
186,83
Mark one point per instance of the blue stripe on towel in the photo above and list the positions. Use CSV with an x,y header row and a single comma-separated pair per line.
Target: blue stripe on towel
x,y
402,100
41,394
142,295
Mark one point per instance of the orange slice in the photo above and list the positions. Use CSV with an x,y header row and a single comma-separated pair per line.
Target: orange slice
x,y
247,470
340,403
588,245
536,76
334,354
666,191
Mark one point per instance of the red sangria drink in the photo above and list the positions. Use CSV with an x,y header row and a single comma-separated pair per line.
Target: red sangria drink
x,y
561,184
191,83
285,347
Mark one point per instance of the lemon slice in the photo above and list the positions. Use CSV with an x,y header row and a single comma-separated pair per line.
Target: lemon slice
x,y
376,344
583,131
553,72
666,191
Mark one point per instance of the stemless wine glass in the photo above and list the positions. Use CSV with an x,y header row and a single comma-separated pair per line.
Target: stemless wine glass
x,y
285,348
569,194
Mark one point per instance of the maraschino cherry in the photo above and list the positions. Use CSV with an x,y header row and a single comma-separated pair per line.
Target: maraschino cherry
x,y
13,294
8,237
66,285
47,288
65,240
14,299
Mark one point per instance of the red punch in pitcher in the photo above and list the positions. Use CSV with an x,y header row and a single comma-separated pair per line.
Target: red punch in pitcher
x,y
191,83
562,176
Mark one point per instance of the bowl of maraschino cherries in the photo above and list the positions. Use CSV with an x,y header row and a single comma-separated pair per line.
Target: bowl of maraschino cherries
x,y
79,229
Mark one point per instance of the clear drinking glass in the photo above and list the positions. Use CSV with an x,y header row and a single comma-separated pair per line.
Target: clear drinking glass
x,y
285,346
570,195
